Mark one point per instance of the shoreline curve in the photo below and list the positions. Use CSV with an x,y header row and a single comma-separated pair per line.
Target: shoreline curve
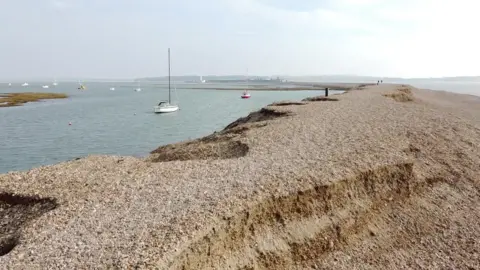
x,y
380,177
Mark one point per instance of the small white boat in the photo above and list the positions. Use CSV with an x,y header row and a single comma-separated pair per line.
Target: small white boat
x,y
9,84
45,86
166,106
25,84
54,84
112,88
138,89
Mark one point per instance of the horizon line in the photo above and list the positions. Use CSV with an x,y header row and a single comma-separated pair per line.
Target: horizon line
x,y
42,79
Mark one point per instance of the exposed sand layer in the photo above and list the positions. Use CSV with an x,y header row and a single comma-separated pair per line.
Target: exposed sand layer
x,y
15,211
386,177
320,98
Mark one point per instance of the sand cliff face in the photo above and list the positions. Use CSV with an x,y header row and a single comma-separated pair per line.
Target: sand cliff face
x,y
384,177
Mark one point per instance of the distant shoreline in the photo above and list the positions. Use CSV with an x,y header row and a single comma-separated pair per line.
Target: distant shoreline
x,y
256,88
295,87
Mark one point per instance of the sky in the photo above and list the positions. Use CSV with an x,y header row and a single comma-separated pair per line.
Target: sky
x,y
129,38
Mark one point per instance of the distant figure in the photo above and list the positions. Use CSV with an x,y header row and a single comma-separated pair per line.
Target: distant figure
x,y
378,82
381,81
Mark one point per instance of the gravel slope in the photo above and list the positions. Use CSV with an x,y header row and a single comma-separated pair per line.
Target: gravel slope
x,y
384,177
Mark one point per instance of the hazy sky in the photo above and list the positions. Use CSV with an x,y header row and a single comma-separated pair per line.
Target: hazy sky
x,y
129,38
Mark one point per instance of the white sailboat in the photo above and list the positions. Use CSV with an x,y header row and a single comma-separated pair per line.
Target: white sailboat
x,y
138,89
166,106
245,94
25,84
45,86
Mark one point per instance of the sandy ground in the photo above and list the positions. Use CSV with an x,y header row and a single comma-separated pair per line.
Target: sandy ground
x,y
386,177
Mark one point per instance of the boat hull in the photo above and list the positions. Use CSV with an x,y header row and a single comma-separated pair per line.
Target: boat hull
x,y
165,109
245,96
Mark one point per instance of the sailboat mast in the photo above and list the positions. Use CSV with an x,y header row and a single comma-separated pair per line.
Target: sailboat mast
x,y
248,82
169,75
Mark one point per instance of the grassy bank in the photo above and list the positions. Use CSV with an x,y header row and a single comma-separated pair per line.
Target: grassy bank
x,y
17,99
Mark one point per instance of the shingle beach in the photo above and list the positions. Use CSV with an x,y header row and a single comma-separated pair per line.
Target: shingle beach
x,y
383,177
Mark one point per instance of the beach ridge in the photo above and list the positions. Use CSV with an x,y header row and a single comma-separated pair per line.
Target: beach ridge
x,y
355,179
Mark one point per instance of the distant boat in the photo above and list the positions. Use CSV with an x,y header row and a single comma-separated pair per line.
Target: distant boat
x,y
45,86
25,84
112,88
9,84
166,106
245,94
81,86
200,80
138,89
54,83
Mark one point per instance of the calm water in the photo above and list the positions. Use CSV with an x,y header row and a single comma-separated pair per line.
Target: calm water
x,y
119,122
